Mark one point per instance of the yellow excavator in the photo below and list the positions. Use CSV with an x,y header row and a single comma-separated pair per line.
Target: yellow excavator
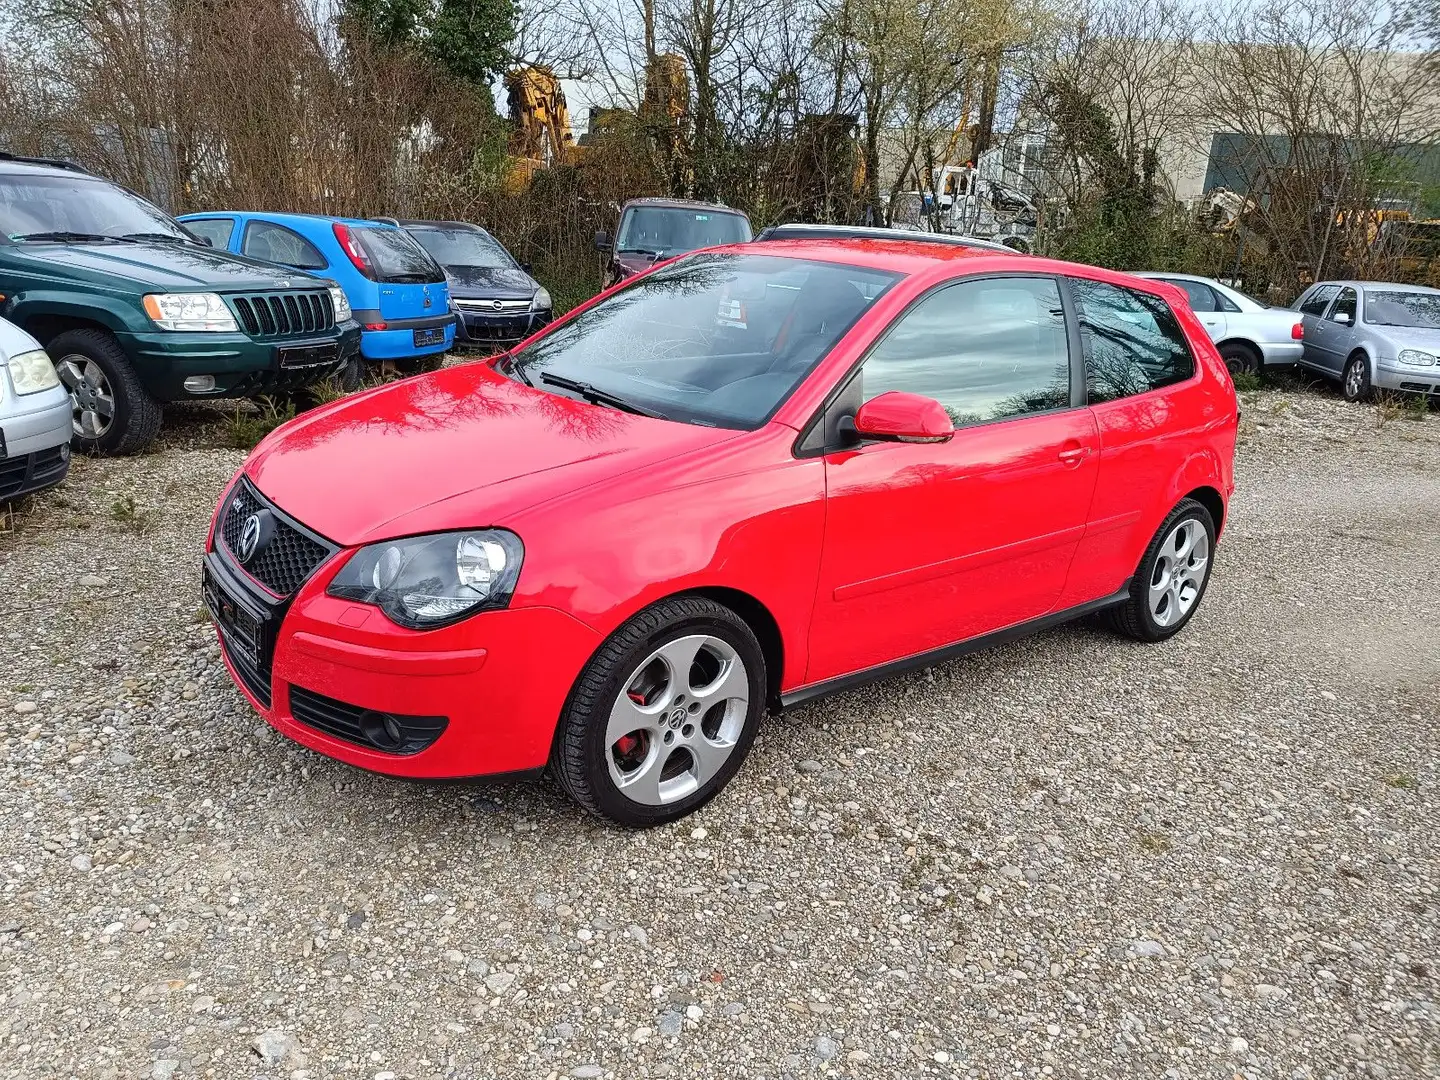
x,y
542,135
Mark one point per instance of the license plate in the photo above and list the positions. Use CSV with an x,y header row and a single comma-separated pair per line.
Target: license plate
x,y
433,336
242,631
303,356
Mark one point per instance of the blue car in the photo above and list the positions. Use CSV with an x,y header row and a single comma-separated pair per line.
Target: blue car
x,y
397,291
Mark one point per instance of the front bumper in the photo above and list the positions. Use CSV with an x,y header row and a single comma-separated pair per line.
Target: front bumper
x,y
34,441
493,686
481,329
1393,375
242,366
1282,352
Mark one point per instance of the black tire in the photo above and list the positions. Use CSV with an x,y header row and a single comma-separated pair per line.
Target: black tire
x,y
580,757
1241,358
1355,379
136,415
1134,617
421,365
352,375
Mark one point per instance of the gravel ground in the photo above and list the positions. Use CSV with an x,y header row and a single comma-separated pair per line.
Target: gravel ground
x,y
1072,856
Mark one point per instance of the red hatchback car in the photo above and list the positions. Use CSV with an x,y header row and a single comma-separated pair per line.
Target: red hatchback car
x,y
749,477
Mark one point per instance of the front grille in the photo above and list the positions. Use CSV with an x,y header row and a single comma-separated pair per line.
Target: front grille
x,y
497,307
291,554
255,676
344,721
30,471
285,314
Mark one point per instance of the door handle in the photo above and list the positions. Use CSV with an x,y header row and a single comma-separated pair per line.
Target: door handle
x,y
1072,456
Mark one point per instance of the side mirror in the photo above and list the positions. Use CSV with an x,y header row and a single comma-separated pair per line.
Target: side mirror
x,y
207,241
602,241
897,416
525,266
1344,318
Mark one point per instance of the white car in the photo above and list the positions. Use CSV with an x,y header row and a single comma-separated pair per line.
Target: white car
x,y
1248,334
35,416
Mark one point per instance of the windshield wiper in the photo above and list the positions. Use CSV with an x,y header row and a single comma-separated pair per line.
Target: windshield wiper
x,y
637,251
598,397
66,235
162,237
512,368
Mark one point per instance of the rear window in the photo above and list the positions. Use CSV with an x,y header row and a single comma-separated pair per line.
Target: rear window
x,y
396,256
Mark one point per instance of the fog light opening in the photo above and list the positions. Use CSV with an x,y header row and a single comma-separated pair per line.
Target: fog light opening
x,y
199,384
382,729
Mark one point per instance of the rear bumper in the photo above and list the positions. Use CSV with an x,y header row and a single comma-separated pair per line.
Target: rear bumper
x,y
241,365
397,341
1282,352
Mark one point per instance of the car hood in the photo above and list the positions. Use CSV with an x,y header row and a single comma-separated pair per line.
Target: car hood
x,y
465,447
632,262
490,283
1412,337
179,267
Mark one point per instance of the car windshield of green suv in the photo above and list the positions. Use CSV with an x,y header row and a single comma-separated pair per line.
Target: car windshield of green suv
x,y
79,209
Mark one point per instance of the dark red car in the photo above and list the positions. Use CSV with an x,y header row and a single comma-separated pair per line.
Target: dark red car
x,y
653,230
747,478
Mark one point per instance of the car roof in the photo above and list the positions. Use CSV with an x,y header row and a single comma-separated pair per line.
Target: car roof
x,y
420,223
802,230
1400,285
290,219
682,204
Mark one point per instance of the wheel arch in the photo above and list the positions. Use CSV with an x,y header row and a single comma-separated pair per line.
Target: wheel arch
x,y
1246,343
762,624
1213,501
45,322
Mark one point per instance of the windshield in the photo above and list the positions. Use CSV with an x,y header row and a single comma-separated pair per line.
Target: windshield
x,y
464,247
674,230
78,207
396,257
715,339
1395,308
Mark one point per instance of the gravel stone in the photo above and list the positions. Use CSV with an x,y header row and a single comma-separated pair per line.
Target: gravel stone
x,y
1259,796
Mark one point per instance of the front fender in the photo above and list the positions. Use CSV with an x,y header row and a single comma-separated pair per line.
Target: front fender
x,y
34,305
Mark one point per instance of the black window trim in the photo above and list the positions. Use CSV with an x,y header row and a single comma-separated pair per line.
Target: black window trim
x,y
1330,307
1085,360
1316,288
799,449
252,222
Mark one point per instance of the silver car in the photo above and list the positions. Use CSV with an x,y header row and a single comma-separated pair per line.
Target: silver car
x,y
1370,334
34,416
1248,334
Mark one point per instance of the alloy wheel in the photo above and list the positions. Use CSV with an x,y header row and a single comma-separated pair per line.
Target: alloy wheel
x,y
1354,378
92,401
677,719
1180,568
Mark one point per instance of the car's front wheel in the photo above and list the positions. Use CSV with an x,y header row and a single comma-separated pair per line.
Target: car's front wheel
x,y
1356,383
1172,577
663,715
111,410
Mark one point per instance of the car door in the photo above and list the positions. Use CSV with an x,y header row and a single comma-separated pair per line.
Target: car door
x,y
1205,304
1335,331
1312,307
1152,414
928,544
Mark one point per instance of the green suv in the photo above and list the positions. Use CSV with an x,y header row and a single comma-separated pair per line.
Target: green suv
x,y
135,310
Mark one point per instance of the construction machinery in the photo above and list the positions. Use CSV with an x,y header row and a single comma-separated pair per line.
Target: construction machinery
x,y
542,135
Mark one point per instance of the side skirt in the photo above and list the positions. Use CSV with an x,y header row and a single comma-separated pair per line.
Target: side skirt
x,y
950,652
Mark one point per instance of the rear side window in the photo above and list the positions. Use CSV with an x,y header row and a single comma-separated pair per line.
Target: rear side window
x,y
397,257
1316,303
1133,342
216,230
277,244
987,349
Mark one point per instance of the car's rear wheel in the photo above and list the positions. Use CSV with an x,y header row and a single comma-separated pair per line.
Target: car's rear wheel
x,y
1356,383
1240,358
663,715
1172,577
110,409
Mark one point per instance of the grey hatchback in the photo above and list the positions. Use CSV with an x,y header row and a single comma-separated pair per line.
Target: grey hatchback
x,y
1371,334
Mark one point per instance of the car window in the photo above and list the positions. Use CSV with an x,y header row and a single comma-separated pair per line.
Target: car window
x,y
464,247
1319,299
673,230
1395,307
714,339
1132,340
36,205
277,244
1202,297
1344,305
1223,302
397,256
986,349
217,229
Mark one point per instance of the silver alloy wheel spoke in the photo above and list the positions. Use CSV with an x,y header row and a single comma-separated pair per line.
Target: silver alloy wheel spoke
x,y
686,685
92,402
1180,572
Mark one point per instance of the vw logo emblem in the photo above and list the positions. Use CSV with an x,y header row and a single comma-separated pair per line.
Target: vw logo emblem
x,y
249,538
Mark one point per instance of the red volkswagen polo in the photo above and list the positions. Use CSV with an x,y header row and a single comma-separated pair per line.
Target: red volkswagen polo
x,y
747,478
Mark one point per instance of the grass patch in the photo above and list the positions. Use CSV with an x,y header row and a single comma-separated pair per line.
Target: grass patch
x,y
1247,381
243,429
129,515
1402,781
1156,843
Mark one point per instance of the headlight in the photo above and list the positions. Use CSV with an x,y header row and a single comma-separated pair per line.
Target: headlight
x,y
341,303
541,301
1416,358
190,311
32,372
427,581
